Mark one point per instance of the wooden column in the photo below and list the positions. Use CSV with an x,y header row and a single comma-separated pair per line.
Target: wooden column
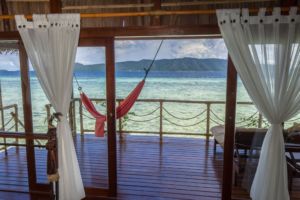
x,y
4,10
26,96
229,130
55,6
288,3
111,115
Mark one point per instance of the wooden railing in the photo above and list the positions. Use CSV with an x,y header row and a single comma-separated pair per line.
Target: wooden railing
x,y
10,124
206,116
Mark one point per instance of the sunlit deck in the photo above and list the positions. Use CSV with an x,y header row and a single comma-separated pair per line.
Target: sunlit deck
x,y
180,168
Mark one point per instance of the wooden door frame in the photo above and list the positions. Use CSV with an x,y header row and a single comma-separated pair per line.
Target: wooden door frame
x,y
231,93
90,37
35,187
108,43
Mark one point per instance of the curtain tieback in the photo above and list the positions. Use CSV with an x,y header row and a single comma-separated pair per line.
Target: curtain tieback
x,y
56,116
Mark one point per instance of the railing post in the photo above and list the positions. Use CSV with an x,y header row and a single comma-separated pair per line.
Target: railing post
x,y
74,116
80,117
120,125
207,120
2,109
71,119
5,146
48,111
259,120
160,121
2,118
16,118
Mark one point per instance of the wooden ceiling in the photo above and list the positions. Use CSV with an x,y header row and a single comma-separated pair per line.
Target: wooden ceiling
x,y
134,18
12,7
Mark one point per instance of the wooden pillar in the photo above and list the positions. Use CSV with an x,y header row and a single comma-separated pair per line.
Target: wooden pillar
x,y
26,96
229,130
55,6
4,10
111,116
288,3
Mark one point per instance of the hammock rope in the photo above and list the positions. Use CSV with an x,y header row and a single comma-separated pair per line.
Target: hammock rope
x,y
124,105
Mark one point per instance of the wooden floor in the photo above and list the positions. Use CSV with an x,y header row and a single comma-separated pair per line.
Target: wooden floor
x,y
181,168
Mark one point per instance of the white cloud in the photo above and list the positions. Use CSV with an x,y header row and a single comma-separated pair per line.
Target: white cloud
x,y
145,49
90,55
9,62
201,48
135,49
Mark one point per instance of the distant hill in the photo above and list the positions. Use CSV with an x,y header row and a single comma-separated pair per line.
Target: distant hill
x,y
180,64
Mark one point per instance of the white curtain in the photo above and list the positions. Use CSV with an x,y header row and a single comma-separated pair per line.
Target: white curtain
x,y
265,51
51,42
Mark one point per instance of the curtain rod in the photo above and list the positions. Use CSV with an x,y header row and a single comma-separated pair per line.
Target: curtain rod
x,y
150,13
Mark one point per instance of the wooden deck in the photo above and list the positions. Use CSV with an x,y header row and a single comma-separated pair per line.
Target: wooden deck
x,y
181,168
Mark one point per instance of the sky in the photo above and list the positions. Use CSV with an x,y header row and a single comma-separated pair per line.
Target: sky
x,y
140,49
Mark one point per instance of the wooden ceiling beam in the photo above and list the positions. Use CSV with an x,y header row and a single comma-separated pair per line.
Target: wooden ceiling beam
x,y
27,1
156,4
108,6
151,31
151,13
203,3
205,31
288,2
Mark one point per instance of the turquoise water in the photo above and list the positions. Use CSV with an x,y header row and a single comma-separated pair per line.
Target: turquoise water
x,y
192,86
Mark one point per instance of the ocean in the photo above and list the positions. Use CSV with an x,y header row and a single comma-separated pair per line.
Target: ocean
x,y
186,86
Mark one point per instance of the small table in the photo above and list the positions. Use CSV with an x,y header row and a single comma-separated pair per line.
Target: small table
x,y
292,147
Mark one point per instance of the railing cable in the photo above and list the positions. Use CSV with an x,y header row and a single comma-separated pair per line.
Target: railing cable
x,y
183,118
147,114
246,119
189,125
8,121
146,120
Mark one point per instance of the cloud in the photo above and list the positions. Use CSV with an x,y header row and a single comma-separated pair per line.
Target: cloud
x,y
9,62
90,55
201,48
135,49
146,49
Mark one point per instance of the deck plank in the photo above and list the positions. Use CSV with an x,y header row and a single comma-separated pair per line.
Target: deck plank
x,y
181,168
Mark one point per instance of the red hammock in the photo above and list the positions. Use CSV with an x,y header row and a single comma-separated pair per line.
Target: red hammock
x,y
122,109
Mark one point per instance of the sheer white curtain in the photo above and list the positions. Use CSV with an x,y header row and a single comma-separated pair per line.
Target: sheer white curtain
x,y
265,51
51,43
